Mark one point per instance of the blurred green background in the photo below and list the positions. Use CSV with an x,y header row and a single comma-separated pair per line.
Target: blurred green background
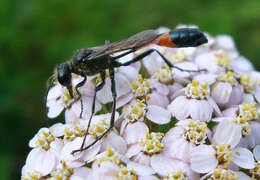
x,y
35,35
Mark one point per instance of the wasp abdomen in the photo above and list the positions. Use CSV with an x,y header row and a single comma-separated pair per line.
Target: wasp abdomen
x,y
187,37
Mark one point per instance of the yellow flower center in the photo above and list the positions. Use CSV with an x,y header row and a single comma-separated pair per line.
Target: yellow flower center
x,y
152,143
256,171
109,155
135,112
63,173
141,87
99,128
179,175
222,58
73,131
223,154
228,77
248,111
44,139
164,76
197,90
248,82
223,174
196,132
67,100
125,174
34,175
180,56
244,124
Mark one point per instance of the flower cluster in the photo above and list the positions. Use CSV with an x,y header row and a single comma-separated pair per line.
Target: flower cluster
x,y
169,124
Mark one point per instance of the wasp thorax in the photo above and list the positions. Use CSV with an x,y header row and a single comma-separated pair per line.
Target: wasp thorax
x,y
64,74
81,56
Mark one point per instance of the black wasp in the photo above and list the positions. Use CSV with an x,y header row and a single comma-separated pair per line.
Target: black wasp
x,y
96,60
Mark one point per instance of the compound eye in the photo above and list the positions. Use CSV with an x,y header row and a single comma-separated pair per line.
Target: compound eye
x,y
64,75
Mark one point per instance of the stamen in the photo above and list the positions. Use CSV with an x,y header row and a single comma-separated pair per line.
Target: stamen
x,y
99,128
152,143
74,130
228,77
223,154
141,87
196,132
44,139
222,58
125,174
164,76
63,173
223,174
135,112
248,82
197,90
179,175
109,155
34,175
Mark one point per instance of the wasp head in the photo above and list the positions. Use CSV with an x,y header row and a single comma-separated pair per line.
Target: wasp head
x,y
64,76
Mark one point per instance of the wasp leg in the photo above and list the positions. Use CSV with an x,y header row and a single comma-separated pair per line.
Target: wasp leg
x,y
123,54
112,118
80,84
97,88
148,52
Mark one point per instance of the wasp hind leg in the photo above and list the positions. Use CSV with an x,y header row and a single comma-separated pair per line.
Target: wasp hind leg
x,y
147,53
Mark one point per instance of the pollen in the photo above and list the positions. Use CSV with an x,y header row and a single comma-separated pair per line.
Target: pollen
x,y
178,175
135,112
44,139
248,111
180,56
141,87
73,131
164,76
256,171
223,154
152,143
222,58
197,90
63,173
67,100
196,132
34,175
223,174
228,77
109,155
248,83
99,128
125,173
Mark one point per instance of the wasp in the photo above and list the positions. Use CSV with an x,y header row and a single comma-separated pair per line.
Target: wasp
x,y
96,60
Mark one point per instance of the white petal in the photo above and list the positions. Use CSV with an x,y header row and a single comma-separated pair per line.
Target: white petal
x,y
158,115
228,133
133,150
114,141
257,152
200,110
162,165
135,132
140,170
159,100
203,159
130,72
180,108
221,92
54,108
243,158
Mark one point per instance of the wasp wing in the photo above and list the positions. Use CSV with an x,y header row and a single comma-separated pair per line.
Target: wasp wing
x,y
134,42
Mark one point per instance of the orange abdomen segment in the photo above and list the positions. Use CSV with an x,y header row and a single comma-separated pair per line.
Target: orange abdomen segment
x,y
165,40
